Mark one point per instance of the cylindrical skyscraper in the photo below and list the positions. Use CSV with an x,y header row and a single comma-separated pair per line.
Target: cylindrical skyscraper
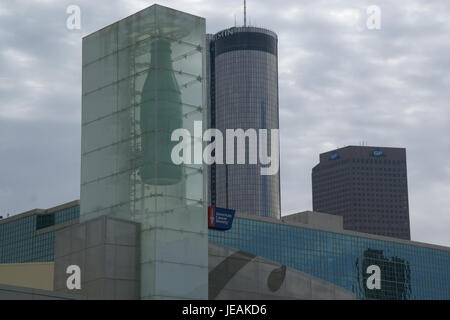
x,y
243,94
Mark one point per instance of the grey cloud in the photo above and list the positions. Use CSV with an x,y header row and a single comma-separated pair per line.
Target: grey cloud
x,y
339,84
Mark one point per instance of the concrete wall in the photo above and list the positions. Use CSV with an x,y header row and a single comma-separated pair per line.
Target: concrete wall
x,y
30,275
236,275
21,293
107,251
325,221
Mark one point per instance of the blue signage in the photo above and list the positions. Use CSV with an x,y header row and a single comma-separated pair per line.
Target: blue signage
x,y
220,218
334,156
377,153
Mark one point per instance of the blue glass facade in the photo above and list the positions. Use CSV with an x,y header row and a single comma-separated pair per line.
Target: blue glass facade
x,y
21,242
67,214
407,271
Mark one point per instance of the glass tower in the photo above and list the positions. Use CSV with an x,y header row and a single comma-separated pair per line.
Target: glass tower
x,y
143,77
243,94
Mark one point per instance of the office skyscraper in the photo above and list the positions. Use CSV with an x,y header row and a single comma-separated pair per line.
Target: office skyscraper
x,y
367,186
242,90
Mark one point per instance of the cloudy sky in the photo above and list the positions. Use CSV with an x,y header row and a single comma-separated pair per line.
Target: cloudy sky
x,y
340,83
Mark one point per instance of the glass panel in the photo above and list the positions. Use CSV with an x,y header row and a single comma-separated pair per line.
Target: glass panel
x,y
99,44
101,102
155,82
99,73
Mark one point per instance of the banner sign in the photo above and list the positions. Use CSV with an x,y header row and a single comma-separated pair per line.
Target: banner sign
x,y
220,218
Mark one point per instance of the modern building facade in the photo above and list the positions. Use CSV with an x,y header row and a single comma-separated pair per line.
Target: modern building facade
x,y
144,78
409,270
258,258
242,74
365,185
30,236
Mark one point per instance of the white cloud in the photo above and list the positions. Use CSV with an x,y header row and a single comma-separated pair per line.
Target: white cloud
x,y
347,16
4,11
18,58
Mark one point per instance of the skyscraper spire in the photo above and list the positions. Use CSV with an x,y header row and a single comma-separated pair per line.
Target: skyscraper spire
x,y
245,13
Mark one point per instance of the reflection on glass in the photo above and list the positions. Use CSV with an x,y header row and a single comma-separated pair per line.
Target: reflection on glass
x,y
408,271
395,276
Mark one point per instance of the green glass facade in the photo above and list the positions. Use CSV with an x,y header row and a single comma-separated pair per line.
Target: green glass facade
x,y
408,271
20,241
143,78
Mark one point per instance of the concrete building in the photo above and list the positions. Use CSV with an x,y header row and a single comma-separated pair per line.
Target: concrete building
x,y
242,91
38,275
365,185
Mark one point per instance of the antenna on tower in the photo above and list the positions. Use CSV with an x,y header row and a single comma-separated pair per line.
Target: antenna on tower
x,y
245,13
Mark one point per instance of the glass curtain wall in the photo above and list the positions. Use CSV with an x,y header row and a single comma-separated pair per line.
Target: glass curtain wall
x,y
143,77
